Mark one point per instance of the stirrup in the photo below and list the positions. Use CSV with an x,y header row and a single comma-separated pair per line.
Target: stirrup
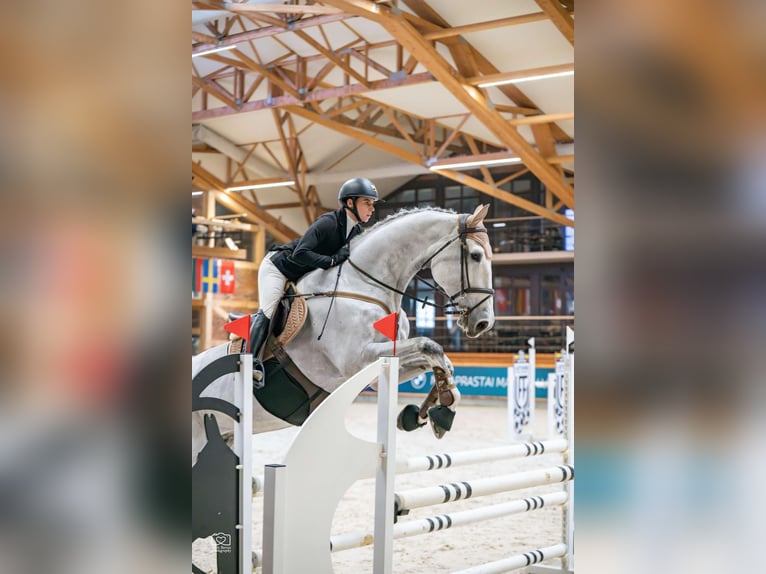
x,y
259,373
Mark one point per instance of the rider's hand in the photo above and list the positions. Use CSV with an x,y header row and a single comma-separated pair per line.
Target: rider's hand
x,y
341,255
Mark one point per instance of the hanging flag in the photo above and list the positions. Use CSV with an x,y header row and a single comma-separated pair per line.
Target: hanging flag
x,y
210,276
196,275
388,327
227,276
241,328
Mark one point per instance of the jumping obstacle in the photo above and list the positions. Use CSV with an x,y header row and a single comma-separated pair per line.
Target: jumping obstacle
x,y
297,518
297,521
222,478
522,386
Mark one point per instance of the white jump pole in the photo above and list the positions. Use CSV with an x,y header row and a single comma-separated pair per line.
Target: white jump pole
x,y
359,539
243,449
426,462
569,488
443,493
518,561
562,403
385,475
532,385
461,458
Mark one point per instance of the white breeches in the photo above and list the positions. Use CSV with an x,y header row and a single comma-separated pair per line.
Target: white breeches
x,y
271,285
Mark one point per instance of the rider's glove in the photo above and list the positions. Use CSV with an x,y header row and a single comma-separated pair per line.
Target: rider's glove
x,y
340,256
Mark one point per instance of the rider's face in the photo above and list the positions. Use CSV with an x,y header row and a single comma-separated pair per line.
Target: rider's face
x,y
365,206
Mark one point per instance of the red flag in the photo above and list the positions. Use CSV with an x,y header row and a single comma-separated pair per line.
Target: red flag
x,y
197,275
388,327
226,277
241,328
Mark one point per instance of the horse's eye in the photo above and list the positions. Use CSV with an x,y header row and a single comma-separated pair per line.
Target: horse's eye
x,y
476,255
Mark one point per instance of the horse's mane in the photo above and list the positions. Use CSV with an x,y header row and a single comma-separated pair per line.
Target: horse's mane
x,y
404,212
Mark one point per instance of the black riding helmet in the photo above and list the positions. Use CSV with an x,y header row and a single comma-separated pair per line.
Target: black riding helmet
x,y
357,187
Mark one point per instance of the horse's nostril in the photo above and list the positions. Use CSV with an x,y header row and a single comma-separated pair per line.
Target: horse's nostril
x,y
482,325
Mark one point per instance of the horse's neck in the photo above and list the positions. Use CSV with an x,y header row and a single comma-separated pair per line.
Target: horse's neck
x,y
395,252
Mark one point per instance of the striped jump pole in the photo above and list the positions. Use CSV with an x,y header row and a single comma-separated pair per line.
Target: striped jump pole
x,y
423,463
359,539
438,461
518,561
430,495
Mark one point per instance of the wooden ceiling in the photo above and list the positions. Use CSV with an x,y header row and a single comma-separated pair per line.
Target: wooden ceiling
x,y
317,92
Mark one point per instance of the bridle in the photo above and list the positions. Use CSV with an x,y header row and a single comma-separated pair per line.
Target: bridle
x,y
450,308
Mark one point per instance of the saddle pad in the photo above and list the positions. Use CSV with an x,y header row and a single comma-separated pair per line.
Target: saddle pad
x,y
294,322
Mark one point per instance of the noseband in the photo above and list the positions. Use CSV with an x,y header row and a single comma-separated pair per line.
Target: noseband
x,y
465,280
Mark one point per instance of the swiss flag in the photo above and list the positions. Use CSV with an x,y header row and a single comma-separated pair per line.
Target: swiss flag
x,y
226,277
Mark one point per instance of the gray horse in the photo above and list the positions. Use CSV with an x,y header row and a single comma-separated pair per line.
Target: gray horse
x,y
383,261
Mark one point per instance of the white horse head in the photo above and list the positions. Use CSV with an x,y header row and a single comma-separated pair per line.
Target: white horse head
x,y
471,288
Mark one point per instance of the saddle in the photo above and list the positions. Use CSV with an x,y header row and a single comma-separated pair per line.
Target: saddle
x,y
289,317
287,393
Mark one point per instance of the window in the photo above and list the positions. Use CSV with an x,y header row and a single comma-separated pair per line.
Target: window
x,y
452,195
425,318
513,295
569,232
568,293
405,196
427,197
551,296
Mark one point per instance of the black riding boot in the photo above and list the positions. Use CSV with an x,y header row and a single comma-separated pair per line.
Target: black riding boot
x,y
259,331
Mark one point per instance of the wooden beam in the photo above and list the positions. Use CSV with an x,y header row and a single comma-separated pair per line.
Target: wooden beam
x,y
292,151
218,252
566,158
279,230
283,8
470,97
511,177
282,205
208,42
505,76
216,91
356,134
542,119
235,202
316,95
559,16
332,57
416,159
505,196
224,224
488,25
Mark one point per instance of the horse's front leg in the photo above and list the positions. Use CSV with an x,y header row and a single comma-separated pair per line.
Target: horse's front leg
x,y
416,356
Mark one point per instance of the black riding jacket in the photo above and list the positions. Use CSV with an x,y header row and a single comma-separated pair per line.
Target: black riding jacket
x,y
322,240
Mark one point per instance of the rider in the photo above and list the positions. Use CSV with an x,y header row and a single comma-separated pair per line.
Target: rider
x,y
324,245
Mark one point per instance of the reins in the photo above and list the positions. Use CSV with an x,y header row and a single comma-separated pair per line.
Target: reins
x,y
449,308
463,232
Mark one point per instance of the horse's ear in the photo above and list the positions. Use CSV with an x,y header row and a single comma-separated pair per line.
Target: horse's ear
x,y
478,215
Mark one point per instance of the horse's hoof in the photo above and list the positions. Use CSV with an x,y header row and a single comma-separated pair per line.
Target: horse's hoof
x,y
441,420
259,375
408,419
